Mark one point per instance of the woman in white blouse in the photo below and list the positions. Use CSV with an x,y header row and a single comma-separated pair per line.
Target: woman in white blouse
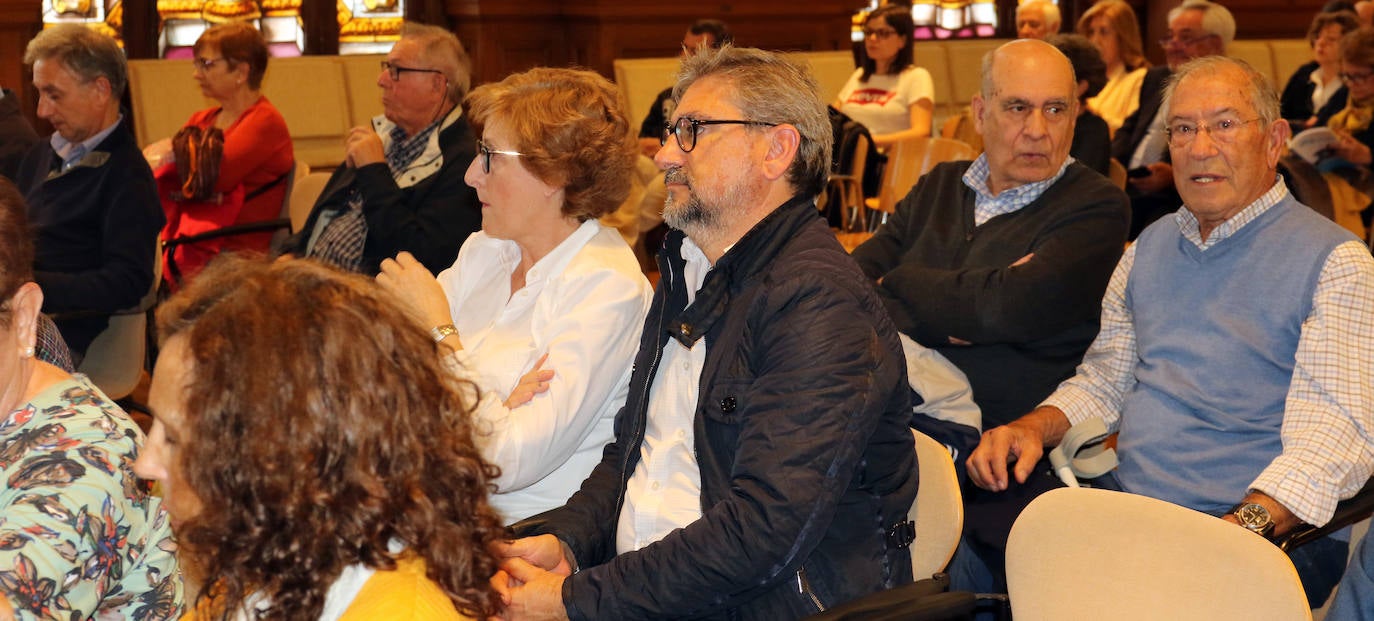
x,y
1112,27
889,95
544,306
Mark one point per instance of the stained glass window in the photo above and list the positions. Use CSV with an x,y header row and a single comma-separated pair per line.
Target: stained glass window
x,y
106,16
369,26
183,21
942,19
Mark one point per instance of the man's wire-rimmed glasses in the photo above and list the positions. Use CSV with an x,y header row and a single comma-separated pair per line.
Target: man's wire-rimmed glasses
x,y
1223,131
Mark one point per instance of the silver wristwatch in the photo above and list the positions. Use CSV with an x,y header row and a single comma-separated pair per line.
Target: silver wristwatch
x,y
1254,517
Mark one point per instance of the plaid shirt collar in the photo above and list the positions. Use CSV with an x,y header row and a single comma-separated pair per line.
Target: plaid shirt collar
x,y
986,206
1188,224
402,151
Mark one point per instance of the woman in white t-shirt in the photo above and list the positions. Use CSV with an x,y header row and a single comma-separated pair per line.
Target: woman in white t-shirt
x,y
544,306
892,97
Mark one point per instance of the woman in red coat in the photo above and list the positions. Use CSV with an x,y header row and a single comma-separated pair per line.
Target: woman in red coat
x,y
254,156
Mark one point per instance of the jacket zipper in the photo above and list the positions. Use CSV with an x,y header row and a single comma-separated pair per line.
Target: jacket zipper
x,y
804,588
638,434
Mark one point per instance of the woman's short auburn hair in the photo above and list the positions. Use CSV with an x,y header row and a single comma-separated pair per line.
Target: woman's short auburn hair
x,y
1122,18
320,425
239,43
571,126
1347,20
1357,47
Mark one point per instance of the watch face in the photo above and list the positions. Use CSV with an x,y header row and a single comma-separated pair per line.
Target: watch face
x,y
1253,516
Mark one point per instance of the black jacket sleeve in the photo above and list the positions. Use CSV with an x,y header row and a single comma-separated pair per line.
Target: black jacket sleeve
x,y
433,218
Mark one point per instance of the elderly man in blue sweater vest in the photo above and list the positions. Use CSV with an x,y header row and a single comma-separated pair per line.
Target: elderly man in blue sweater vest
x,y
1237,341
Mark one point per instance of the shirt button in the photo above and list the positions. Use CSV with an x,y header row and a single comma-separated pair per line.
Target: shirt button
x,y
654,486
681,433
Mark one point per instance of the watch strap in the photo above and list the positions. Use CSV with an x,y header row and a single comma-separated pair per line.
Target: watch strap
x,y
439,333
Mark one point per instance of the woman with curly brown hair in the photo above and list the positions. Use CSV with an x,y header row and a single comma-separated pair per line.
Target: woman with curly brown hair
x,y
544,306
315,457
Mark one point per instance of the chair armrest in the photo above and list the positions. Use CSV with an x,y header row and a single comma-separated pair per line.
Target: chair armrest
x,y
923,600
1348,511
231,230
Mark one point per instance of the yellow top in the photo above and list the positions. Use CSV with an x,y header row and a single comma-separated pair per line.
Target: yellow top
x,y
402,595
1119,98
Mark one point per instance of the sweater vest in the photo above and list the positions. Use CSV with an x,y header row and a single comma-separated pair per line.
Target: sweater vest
x,y
1216,333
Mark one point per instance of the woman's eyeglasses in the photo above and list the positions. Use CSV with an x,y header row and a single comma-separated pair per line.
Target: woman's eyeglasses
x,y
485,152
881,33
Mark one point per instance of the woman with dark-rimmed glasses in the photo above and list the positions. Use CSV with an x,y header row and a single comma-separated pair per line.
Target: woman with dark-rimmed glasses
x,y
544,306
1352,164
235,178
888,94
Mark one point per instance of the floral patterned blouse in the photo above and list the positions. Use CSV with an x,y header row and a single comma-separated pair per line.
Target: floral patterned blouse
x,y
79,536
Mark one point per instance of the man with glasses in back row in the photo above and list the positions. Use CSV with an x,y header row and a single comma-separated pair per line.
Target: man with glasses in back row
x,y
401,184
763,465
1237,341
1197,28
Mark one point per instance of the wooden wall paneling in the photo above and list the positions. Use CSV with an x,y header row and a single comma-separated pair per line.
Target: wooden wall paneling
x,y
505,36
321,22
19,21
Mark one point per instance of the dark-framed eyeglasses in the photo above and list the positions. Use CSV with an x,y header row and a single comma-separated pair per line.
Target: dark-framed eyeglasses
x,y
1352,77
879,33
204,64
1222,131
485,152
686,129
394,70
1183,40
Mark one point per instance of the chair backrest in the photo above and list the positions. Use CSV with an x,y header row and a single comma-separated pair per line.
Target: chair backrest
x,y
300,171
938,510
1082,553
1117,173
859,160
115,360
908,159
304,193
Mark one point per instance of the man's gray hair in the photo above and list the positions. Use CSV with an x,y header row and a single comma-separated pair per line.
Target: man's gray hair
x,y
84,52
442,50
1263,98
1216,19
1049,10
772,89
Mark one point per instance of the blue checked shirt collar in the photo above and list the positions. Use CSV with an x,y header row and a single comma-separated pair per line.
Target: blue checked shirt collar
x,y
72,152
986,206
1188,224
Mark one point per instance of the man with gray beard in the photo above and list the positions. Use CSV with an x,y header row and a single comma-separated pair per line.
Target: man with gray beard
x,y
763,464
